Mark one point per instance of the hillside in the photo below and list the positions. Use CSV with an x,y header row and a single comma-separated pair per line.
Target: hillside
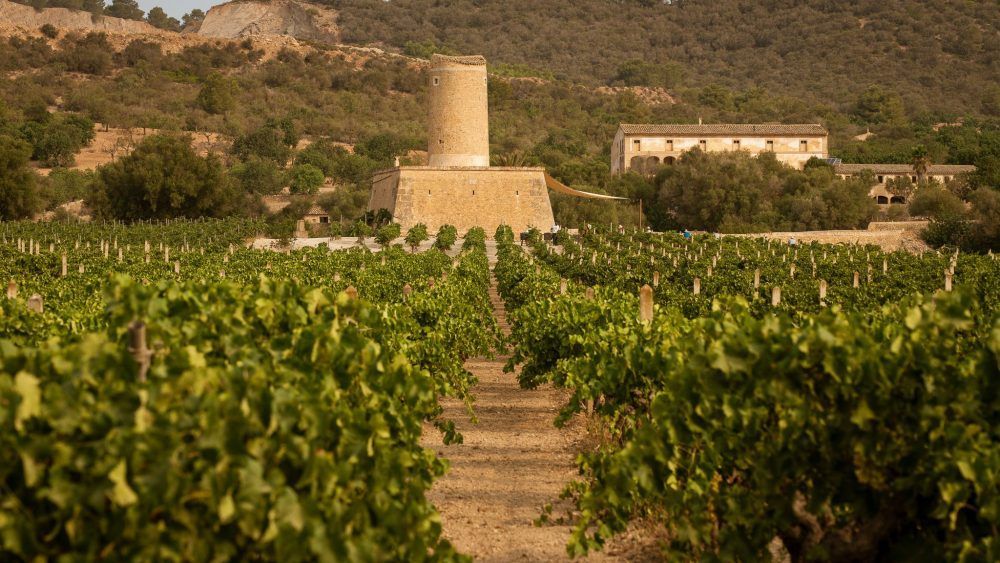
x,y
14,15
941,57
282,17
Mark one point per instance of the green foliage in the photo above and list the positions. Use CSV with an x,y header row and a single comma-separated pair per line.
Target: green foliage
x,y
305,179
56,139
90,54
49,30
18,183
877,106
163,178
383,147
258,176
416,235
218,94
936,202
446,237
350,384
267,142
642,73
814,52
734,192
361,230
159,19
705,408
63,186
125,9
387,233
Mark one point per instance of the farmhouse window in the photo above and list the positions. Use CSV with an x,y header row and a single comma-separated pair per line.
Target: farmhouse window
x,y
804,146
770,145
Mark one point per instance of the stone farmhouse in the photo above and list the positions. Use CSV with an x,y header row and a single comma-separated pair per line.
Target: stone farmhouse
x,y
884,173
643,148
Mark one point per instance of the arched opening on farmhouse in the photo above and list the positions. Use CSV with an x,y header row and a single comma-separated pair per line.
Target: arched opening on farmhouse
x,y
881,200
636,164
897,199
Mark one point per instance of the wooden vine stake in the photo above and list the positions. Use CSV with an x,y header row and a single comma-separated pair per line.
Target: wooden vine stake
x,y
756,278
63,269
589,294
137,347
656,279
12,290
35,304
775,296
177,266
885,266
822,292
407,290
646,304
857,279
697,286
562,286
351,292
947,281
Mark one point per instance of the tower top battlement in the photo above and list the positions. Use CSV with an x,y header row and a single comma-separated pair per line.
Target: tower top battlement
x,y
471,60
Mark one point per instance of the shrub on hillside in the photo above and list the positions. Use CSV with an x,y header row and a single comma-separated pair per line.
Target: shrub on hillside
x,y
163,178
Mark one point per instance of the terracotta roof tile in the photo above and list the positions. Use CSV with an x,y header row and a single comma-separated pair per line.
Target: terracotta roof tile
x,y
715,129
934,169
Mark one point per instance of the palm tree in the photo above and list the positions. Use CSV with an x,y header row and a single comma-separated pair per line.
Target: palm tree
x,y
921,162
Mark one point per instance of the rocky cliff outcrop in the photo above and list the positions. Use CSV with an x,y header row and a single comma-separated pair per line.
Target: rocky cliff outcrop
x,y
26,17
280,17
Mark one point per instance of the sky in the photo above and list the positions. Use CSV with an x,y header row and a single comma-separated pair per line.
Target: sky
x,y
178,8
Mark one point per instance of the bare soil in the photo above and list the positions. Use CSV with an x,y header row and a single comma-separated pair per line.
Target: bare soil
x,y
513,462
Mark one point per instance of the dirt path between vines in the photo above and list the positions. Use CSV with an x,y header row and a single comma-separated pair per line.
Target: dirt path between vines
x,y
512,463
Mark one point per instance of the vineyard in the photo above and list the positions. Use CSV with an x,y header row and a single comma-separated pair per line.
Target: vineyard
x,y
168,393
769,401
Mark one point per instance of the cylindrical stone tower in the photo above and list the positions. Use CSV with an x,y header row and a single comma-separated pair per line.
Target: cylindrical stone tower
x,y
458,128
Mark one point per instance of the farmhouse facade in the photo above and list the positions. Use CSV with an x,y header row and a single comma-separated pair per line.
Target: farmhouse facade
x,y
883,174
644,148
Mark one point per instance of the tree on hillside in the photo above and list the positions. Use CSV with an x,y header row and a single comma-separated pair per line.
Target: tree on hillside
x,y
305,179
158,18
90,54
125,9
18,191
258,176
876,105
935,202
265,142
194,18
217,95
163,178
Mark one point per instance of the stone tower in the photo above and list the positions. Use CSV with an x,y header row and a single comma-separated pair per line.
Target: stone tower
x,y
458,124
458,186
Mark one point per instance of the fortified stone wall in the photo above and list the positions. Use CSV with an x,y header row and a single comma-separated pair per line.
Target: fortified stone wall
x,y
464,197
